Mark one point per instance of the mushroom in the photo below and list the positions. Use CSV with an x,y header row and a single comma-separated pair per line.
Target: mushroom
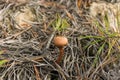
x,y
60,42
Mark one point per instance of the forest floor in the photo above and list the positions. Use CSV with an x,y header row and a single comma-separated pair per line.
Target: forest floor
x,y
27,49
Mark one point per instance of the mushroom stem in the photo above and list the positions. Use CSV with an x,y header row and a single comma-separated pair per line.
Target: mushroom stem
x,y
60,55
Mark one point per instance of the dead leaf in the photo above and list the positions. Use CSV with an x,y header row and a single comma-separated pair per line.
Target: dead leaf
x,y
24,18
79,3
69,15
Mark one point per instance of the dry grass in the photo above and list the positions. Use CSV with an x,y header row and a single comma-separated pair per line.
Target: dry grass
x,y
27,51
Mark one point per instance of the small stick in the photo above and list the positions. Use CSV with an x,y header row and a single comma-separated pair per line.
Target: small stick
x,y
37,73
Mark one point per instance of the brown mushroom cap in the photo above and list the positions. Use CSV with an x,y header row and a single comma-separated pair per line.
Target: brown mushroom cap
x,y
60,41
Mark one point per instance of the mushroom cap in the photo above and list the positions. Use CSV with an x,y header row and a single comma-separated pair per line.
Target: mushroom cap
x,y
60,41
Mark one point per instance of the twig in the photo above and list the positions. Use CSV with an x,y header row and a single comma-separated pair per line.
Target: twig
x,y
37,73
50,39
